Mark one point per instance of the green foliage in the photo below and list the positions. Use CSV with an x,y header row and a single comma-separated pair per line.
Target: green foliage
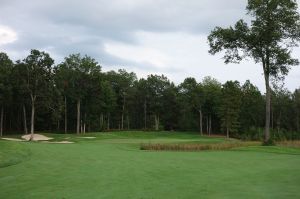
x,y
275,28
119,100
282,109
252,107
170,116
38,73
230,107
191,99
269,142
212,89
296,104
6,66
252,133
76,73
274,31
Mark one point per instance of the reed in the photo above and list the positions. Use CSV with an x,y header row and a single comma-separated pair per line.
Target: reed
x,y
293,143
196,147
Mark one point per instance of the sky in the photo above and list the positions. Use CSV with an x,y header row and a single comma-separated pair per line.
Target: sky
x,y
144,36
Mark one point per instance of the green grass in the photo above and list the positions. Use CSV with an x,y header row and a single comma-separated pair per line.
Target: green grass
x,y
12,153
112,166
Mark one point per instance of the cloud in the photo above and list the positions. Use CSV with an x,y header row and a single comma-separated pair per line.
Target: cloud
x,y
138,54
144,36
182,55
7,35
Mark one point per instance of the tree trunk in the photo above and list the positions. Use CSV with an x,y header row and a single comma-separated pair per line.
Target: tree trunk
x,y
145,114
101,121
32,117
127,122
66,116
123,109
4,120
78,117
279,122
19,121
84,123
209,128
10,122
156,117
1,121
122,122
108,122
84,126
272,118
200,122
157,122
268,103
297,120
227,132
25,119
58,125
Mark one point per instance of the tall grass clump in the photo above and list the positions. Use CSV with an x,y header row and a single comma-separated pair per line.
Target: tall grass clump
x,y
294,143
196,147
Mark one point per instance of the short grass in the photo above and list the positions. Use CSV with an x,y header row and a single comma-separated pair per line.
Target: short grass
x,y
112,166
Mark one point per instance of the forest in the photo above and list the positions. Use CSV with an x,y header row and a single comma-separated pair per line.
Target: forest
x,y
75,96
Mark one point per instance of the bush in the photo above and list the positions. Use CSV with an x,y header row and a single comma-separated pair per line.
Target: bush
x,y
270,142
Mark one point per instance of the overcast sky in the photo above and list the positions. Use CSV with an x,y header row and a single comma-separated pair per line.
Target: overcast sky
x,y
144,36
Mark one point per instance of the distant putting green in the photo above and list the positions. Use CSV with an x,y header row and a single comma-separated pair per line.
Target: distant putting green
x,y
112,166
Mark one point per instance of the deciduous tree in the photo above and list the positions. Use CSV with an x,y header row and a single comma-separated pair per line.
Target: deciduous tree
x,y
230,107
6,66
274,30
38,67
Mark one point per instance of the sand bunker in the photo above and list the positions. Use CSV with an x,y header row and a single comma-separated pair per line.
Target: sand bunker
x,y
60,142
36,137
13,139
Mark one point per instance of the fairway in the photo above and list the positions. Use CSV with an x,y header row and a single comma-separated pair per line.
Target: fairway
x,y
112,166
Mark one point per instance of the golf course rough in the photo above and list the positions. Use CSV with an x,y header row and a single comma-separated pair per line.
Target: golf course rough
x,y
113,166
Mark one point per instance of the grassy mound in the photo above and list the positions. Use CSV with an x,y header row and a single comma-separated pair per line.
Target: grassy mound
x,y
12,153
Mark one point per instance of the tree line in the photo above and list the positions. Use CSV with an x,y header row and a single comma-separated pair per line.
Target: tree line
x,y
76,96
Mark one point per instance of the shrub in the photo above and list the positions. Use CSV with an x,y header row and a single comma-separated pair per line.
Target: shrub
x,y
270,142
